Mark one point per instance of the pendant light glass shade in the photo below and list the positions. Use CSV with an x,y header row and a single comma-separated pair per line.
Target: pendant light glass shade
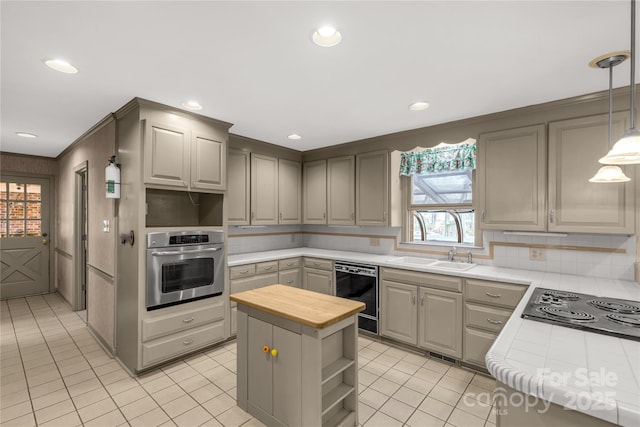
x,y
626,151
610,174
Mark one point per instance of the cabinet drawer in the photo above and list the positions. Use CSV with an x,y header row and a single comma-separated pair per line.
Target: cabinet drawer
x,y
494,293
289,277
266,267
175,322
181,343
476,345
437,281
246,270
241,285
286,264
490,319
321,264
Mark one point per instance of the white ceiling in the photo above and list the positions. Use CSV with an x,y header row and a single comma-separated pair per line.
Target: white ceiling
x,y
253,63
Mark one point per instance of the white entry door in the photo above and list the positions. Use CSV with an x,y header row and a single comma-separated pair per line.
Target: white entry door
x,y
24,236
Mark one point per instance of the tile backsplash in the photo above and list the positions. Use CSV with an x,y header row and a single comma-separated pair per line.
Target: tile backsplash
x,y
574,254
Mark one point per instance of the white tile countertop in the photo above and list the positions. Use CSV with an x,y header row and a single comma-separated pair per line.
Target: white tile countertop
x,y
592,373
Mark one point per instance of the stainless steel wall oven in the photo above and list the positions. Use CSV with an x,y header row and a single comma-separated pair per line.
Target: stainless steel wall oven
x,y
183,266
359,282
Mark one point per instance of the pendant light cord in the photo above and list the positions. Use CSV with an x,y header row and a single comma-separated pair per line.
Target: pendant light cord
x,y
610,102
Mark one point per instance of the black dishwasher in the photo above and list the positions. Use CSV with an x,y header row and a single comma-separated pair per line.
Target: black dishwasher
x,y
359,282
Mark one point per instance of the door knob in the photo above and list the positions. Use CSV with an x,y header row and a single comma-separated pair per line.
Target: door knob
x,y
44,234
44,242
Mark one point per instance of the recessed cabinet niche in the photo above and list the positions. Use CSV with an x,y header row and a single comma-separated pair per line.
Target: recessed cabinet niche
x,y
169,208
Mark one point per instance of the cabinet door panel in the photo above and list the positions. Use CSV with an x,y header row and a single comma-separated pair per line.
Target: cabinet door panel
x,y
511,179
260,368
476,345
372,188
166,155
575,204
264,190
208,163
238,190
399,314
287,374
314,195
440,324
289,192
318,281
341,188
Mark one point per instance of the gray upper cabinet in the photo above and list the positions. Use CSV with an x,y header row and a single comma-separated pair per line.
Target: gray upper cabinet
x,y
166,155
341,188
264,190
184,157
289,192
314,194
238,194
372,188
511,179
208,162
575,204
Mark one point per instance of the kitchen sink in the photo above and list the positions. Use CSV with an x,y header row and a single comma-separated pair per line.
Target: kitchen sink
x,y
413,260
452,265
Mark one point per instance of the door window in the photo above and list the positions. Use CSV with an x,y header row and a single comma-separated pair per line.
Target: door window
x,y
20,209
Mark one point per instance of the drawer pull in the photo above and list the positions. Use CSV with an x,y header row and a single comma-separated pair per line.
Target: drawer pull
x,y
413,299
244,271
289,264
267,268
189,320
316,263
289,282
187,342
494,322
489,294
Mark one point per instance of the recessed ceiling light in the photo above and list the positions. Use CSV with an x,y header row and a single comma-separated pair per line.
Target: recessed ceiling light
x,y
327,36
420,105
192,105
294,136
60,65
26,135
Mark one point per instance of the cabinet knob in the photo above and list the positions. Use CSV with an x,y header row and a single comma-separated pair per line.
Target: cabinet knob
x,y
413,299
265,349
274,352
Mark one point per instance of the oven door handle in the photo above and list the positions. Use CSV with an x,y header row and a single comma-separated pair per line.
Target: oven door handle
x,y
168,253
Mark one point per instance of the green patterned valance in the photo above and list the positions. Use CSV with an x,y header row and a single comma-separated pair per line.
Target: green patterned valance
x,y
441,158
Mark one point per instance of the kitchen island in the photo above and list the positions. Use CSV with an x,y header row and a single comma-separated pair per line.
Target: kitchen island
x,y
297,357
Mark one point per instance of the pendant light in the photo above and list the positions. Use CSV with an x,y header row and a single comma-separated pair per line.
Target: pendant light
x,y
609,173
627,150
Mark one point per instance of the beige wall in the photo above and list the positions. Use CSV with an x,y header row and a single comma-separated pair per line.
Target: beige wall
x,y
95,148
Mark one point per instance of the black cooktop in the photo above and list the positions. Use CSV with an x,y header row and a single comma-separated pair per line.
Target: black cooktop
x,y
608,316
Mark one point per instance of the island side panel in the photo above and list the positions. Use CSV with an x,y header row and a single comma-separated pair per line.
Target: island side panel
x,y
242,364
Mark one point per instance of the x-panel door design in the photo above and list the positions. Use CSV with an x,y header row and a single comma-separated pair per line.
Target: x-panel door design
x,y
24,236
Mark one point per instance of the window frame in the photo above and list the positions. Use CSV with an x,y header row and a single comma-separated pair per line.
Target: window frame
x,y
410,209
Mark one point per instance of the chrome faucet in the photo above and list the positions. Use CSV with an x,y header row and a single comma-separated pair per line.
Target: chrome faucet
x,y
469,257
452,253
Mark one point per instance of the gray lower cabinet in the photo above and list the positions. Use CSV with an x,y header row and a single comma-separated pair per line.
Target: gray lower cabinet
x,y
246,277
290,277
398,311
317,275
422,309
178,330
274,386
440,321
488,306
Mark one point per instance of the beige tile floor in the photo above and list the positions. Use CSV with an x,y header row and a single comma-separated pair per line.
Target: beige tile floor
x,y
54,373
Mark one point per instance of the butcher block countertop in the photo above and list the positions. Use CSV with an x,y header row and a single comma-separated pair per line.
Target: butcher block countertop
x,y
299,305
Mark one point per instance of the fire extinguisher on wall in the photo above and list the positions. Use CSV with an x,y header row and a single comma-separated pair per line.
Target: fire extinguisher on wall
x,y
112,179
